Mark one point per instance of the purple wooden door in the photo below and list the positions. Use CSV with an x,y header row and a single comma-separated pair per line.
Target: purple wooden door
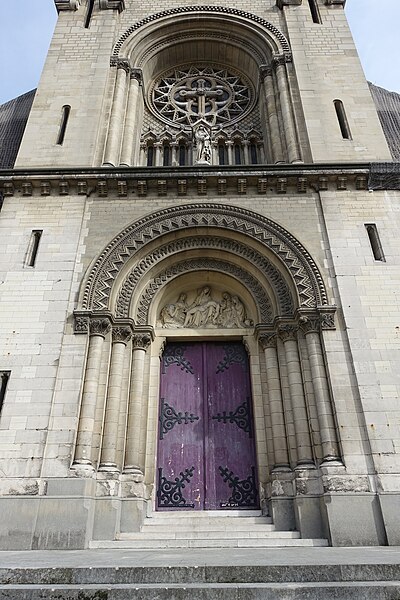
x,y
206,453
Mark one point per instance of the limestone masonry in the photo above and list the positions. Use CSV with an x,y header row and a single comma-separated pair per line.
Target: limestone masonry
x,y
200,283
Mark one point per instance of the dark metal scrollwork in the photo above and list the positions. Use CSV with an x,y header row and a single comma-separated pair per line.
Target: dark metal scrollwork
x,y
169,493
245,492
234,353
169,417
174,355
241,417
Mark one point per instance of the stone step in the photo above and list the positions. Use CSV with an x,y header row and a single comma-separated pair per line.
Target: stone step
x,y
277,572
206,514
206,534
263,542
213,522
207,526
360,590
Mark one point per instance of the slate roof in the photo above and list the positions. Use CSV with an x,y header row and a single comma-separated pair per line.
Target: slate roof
x,y
13,118
388,107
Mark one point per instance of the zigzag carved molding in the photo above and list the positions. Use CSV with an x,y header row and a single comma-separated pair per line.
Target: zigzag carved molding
x,y
285,305
287,248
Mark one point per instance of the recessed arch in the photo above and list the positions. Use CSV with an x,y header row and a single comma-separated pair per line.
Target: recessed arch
x,y
287,250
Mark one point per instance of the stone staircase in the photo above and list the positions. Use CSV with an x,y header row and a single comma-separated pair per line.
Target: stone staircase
x,y
208,529
297,581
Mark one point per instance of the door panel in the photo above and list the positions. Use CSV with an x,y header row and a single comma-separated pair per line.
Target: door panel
x,y
206,453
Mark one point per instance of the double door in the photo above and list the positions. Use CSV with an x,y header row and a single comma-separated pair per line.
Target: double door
x,y
206,451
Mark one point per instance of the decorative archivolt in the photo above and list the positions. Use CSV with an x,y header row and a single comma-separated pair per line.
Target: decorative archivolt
x,y
287,249
204,264
285,305
280,42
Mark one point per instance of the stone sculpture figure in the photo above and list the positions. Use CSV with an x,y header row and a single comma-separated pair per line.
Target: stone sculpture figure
x,y
205,312
203,145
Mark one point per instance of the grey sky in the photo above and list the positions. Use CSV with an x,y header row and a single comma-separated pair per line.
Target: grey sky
x,y
27,27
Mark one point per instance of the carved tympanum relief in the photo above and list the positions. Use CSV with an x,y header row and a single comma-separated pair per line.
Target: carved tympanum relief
x,y
205,312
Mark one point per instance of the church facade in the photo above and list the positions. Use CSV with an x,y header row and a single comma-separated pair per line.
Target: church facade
x,y
200,279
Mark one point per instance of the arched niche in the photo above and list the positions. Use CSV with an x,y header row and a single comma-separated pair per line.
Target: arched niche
x,y
240,42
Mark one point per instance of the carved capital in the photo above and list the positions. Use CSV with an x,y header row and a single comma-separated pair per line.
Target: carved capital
x,y
118,5
123,64
141,341
279,60
265,71
281,3
67,4
327,320
99,326
268,340
121,333
137,74
287,332
81,322
310,324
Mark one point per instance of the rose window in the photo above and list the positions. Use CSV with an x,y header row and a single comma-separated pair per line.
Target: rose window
x,y
215,95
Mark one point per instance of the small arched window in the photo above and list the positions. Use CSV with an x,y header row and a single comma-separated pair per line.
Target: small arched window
x,y
66,109
182,151
166,155
237,149
253,153
222,157
150,155
342,119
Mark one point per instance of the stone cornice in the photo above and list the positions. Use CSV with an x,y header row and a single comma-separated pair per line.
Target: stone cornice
x,y
62,5
182,181
112,5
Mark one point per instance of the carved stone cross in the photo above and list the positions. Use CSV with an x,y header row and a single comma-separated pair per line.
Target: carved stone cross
x,y
201,93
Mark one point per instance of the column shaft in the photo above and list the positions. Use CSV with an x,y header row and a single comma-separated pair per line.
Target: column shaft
x,y
84,440
276,409
287,113
132,449
113,144
108,459
273,121
303,440
132,123
326,421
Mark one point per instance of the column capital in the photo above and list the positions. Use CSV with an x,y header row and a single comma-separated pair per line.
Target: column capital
x,y
267,340
67,5
121,333
310,324
141,341
136,73
100,326
265,71
279,60
112,5
287,332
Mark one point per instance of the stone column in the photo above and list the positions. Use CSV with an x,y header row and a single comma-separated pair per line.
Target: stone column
x,y
117,117
288,335
327,427
140,343
108,458
272,114
132,123
279,439
246,156
158,154
286,110
98,329
174,155
229,145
